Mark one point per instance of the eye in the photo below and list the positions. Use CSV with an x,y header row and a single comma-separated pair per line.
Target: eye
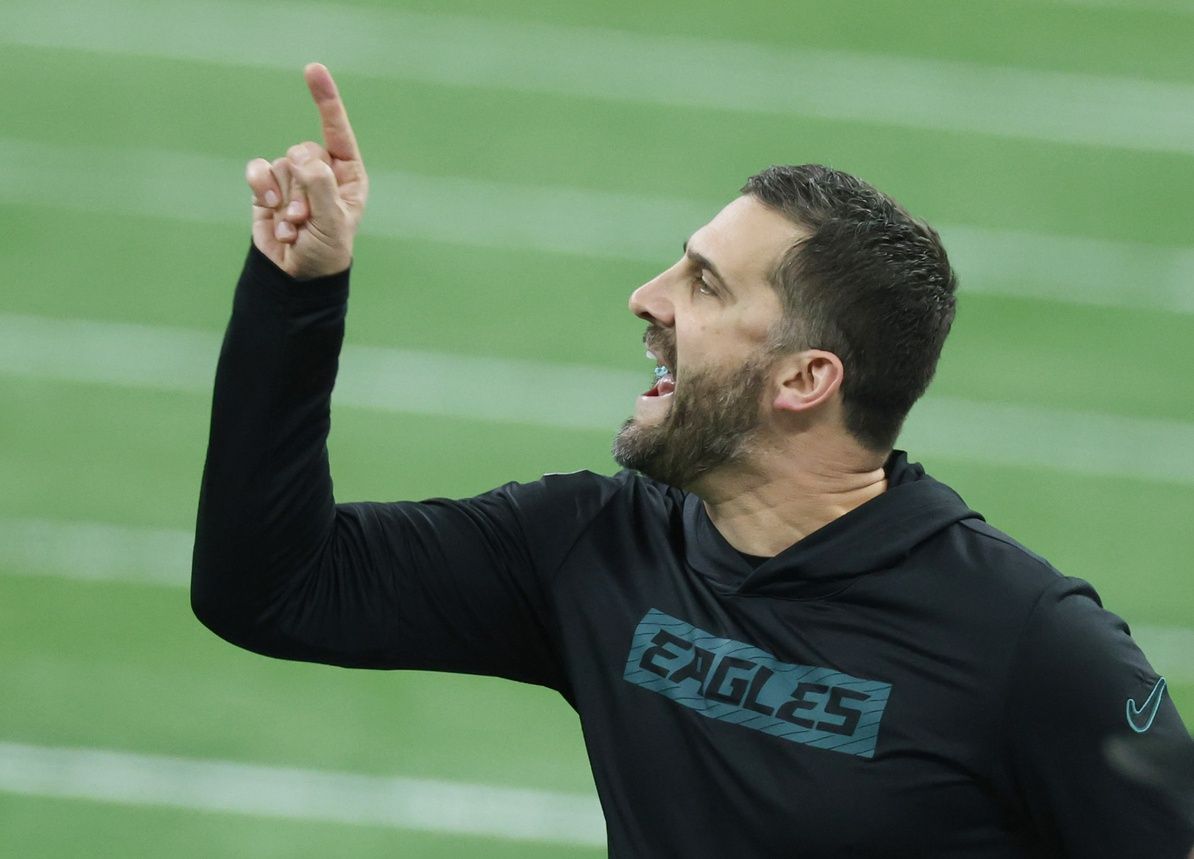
x,y
702,286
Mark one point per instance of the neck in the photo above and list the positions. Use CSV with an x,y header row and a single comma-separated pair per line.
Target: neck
x,y
779,497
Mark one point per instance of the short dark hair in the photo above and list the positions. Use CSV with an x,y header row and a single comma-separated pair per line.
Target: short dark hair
x,y
870,283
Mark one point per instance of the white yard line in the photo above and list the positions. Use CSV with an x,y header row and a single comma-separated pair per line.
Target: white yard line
x,y
621,66
582,398
1071,269
642,228
301,794
1173,7
96,552
1078,442
93,551
388,380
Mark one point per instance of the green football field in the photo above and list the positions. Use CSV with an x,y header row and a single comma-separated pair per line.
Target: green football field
x,y
532,162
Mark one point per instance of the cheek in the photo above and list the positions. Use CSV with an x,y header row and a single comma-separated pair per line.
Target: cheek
x,y
698,338
714,345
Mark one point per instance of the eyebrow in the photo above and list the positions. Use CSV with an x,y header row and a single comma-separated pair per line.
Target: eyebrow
x,y
707,264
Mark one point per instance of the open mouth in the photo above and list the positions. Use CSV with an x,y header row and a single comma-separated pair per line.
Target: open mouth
x,y
663,378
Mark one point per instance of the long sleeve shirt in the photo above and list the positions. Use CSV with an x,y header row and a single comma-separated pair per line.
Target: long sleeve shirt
x,y
905,681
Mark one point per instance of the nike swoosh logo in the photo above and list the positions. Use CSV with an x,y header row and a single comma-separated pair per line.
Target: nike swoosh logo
x,y
1141,718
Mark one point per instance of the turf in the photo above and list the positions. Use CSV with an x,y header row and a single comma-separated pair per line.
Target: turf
x,y
126,667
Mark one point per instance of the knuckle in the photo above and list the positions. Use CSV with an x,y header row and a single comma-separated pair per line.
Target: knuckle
x,y
305,150
313,171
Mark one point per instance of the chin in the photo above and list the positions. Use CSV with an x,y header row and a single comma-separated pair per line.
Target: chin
x,y
636,445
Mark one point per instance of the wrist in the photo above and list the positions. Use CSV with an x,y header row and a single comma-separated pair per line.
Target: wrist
x,y
316,290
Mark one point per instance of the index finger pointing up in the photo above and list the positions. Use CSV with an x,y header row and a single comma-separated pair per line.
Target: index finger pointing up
x,y
338,138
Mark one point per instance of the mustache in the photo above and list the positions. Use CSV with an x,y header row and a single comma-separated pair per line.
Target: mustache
x,y
662,343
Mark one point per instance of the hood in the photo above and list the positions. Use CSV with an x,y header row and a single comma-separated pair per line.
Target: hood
x,y
874,536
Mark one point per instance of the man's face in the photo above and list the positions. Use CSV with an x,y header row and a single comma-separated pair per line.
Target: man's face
x,y
709,317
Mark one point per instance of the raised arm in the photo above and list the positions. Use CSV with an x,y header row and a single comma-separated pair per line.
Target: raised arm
x,y
279,567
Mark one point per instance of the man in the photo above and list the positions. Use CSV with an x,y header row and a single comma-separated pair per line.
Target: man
x,y
781,637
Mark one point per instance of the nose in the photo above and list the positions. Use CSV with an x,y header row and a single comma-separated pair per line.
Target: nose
x,y
652,301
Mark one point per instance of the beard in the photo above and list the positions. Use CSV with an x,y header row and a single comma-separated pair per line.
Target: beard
x,y
712,421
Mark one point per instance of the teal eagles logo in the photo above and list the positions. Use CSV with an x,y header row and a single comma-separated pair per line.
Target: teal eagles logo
x,y
735,682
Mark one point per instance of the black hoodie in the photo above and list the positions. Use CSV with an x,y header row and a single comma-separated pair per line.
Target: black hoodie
x,y
905,681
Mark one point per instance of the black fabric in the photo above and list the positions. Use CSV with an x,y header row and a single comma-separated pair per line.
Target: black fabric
x,y
948,693
754,561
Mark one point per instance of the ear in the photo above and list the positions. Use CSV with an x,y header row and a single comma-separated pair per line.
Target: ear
x,y
807,380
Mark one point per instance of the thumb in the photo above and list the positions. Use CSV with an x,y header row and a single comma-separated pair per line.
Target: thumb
x,y
318,182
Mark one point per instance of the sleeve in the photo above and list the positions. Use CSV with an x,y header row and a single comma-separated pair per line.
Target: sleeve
x,y
1079,680
279,568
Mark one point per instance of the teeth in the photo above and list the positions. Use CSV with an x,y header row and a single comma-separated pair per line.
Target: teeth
x,y
660,372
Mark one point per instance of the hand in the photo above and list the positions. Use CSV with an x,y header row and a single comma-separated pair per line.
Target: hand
x,y
307,204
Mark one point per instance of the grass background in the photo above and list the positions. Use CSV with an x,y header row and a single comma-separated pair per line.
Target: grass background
x,y
125,667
